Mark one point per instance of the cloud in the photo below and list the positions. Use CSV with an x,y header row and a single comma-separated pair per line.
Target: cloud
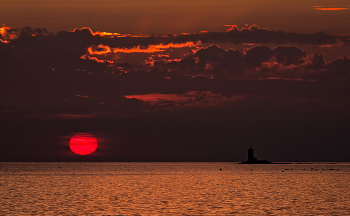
x,y
99,50
85,37
316,62
7,33
6,55
96,59
338,69
289,55
44,73
102,49
257,55
214,61
210,61
232,28
323,8
189,99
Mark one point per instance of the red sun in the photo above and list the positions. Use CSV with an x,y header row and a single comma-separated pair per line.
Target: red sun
x,y
83,144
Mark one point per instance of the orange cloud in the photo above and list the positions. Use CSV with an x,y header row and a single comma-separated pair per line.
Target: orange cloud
x,y
280,78
96,59
232,28
108,34
247,27
3,30
329,8
155,97
7,33
135,36
87,28
189,99
102,34
102,49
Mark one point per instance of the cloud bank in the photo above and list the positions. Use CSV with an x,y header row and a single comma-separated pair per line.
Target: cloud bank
x,y
47,73
189,97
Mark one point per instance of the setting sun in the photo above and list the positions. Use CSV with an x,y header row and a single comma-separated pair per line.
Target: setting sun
x,y
83,144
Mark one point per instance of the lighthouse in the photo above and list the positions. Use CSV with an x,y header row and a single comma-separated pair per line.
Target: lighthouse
x,y
251,157
253,160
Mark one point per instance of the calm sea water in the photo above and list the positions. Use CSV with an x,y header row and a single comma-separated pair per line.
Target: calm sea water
x,y
174,189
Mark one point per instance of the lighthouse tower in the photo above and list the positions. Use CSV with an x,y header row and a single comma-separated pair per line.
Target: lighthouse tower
x,y
253,160
251,157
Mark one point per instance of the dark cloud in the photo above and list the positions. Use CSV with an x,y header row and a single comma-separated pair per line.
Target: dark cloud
x,y
339,67
317,62
289,55
259,54
6,54
217,62
254,34
211,61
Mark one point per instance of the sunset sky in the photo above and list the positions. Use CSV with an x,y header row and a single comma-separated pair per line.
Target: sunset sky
x,y
168,80
171,16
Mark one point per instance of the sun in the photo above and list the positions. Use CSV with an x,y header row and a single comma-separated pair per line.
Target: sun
x,y
83,144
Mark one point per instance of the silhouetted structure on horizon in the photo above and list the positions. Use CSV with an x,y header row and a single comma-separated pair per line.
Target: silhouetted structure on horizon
x,y
253,160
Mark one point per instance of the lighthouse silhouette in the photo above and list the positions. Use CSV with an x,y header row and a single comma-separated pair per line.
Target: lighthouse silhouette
x,y
253,160
251,157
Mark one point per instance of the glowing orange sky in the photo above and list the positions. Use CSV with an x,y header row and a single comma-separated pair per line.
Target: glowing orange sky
x,y
173,16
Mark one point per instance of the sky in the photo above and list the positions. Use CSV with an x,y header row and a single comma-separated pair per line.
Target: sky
x,y
175,80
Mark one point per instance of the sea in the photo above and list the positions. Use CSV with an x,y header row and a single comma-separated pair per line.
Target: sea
x,y
99,188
